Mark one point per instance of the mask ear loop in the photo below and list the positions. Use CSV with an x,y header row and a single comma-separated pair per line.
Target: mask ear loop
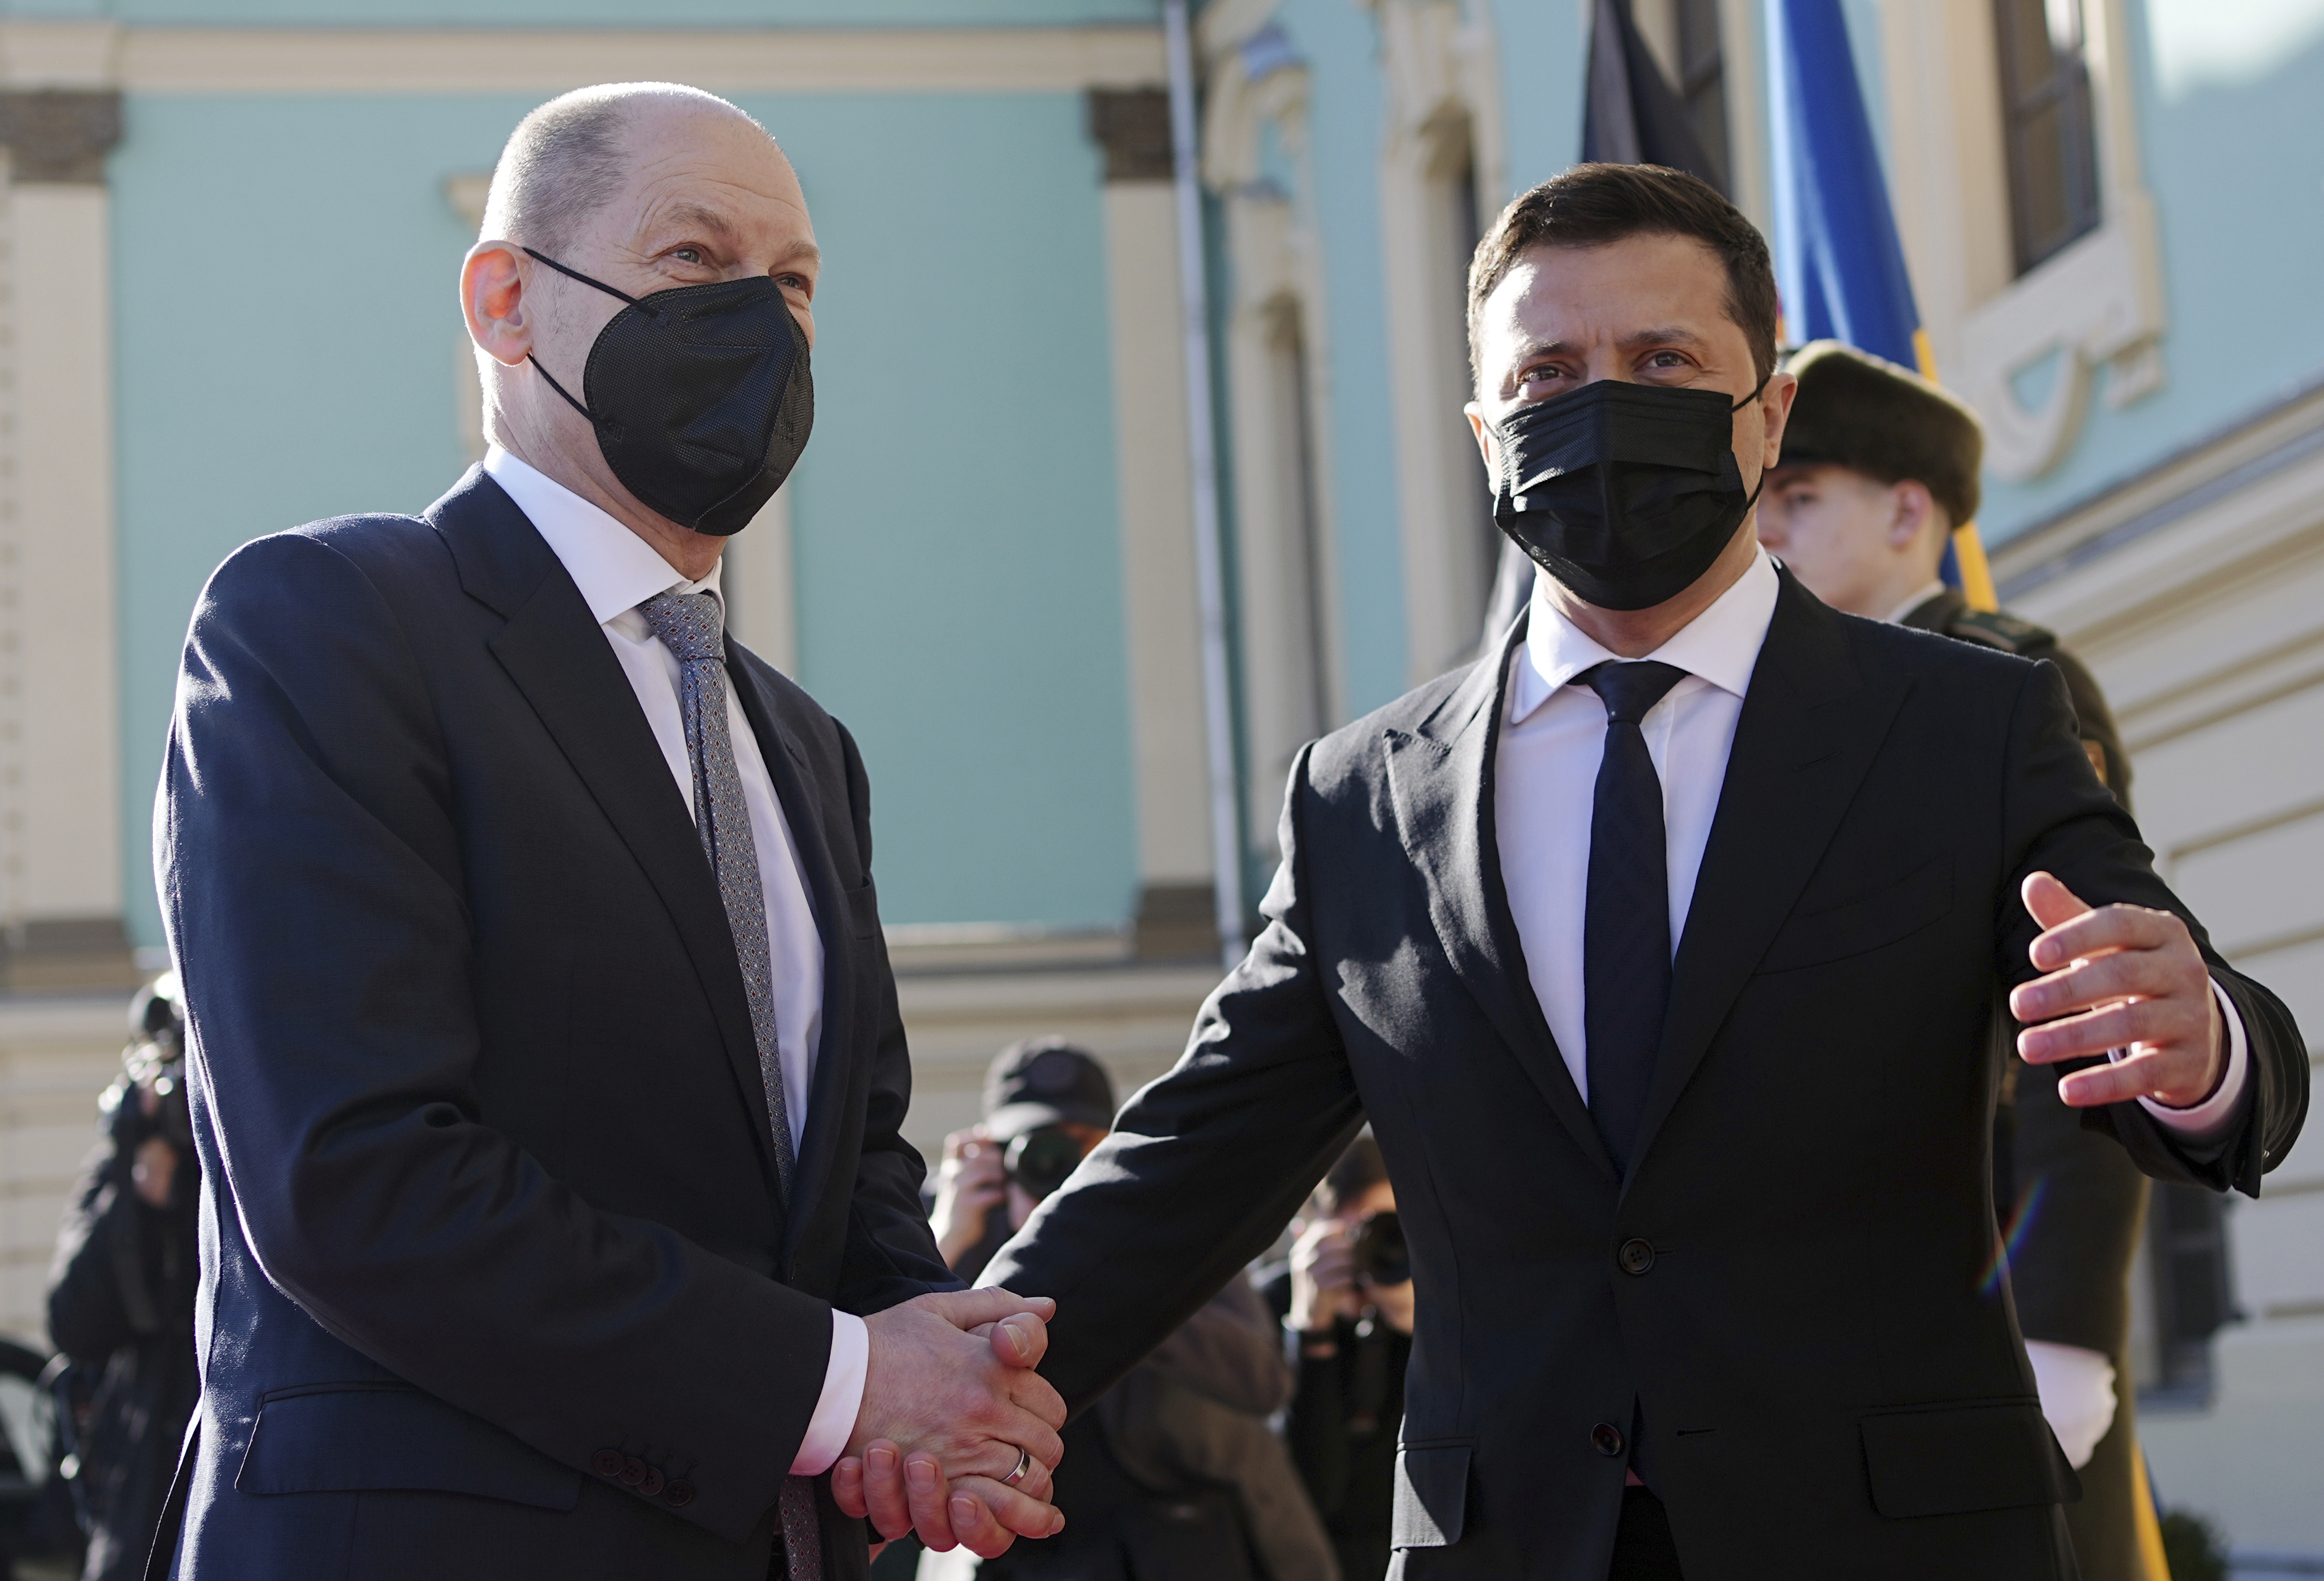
x,y
1738,406
584,279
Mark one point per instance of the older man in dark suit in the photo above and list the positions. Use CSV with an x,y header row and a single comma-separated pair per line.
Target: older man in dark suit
x,y
545,1058
1659,948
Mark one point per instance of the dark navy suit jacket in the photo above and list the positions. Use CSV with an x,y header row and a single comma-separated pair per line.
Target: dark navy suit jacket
x,y
1787,1314
497,1276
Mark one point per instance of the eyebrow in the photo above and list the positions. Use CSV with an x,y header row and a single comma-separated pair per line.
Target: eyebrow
x,y
1637,340
689,212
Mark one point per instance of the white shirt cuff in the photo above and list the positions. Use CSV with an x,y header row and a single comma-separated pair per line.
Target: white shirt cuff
x,y
2208,1119
2076,1389
841,1399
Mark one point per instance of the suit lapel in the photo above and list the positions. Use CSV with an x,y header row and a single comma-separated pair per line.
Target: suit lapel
x,y
559,658
1810,726
1441,782
803,811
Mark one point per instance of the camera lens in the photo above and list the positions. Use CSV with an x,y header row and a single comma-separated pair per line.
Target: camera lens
x,y
1381,1256
1040,1160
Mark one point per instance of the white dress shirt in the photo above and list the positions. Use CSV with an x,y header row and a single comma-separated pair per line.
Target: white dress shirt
x,y
1545,790
617,571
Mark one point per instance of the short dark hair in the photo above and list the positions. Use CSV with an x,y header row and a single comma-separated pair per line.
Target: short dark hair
x,y
1589,206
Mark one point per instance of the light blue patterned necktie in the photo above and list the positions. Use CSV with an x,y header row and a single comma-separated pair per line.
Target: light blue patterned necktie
x,y
691,626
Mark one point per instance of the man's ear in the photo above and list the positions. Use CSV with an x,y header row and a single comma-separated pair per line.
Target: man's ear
x,y
492,299
1775,412
1912,510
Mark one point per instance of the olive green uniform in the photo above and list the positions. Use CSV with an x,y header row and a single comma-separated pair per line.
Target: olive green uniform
x,y
2070,1270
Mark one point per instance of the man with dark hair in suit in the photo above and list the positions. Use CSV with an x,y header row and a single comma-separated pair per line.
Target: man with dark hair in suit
x,y
546,1065
1878,467
1680,920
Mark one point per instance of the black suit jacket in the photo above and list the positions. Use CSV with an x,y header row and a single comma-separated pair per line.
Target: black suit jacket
x,y
1791,1302
497,1278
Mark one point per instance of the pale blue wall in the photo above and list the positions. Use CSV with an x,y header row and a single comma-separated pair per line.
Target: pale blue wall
x,y
288,330
2237,174
1544,47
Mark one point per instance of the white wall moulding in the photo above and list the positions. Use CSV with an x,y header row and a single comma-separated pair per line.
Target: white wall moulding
x,y
1134,1018
56,1055
60,55
1277,361
2195,591
547,61
2098,303
1440,65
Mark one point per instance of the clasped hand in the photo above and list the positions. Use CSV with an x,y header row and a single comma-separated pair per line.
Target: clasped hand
x,y
950,1397
2119,978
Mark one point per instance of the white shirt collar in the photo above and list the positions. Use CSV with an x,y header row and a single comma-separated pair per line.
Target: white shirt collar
x,y
1935,587
1720,645
615,568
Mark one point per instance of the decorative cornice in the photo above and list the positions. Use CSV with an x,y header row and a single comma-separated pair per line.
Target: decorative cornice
x,y
545,60
59,135
1132,124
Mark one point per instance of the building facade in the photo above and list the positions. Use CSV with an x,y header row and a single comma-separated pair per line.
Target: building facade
x,y
228,247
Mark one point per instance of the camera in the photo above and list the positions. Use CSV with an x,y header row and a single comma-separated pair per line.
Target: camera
x,y
1040,1160
1381,1255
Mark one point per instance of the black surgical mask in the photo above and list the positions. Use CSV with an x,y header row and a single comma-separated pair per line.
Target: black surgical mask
x,y
1623,493
701,397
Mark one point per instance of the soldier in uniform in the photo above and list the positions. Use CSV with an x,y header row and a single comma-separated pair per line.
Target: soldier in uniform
x,y
1878,467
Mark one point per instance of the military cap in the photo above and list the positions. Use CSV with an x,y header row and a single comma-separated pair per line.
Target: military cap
x,y
1869,415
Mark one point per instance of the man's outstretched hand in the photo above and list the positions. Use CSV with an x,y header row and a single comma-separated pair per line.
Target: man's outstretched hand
x,y
950,1396
2119,976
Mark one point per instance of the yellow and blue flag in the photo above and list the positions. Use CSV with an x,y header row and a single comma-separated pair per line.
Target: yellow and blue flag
x,y
1840,263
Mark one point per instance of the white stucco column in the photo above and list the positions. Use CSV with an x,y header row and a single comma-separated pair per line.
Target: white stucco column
x,y
1154,473
60,859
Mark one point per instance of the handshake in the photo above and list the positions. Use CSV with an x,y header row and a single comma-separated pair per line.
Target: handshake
x,y
957,1438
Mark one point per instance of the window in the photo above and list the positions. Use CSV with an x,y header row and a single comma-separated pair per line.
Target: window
x,y
1703,81
2187,1248
2050,136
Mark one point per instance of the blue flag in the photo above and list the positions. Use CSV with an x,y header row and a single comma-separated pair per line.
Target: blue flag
x,y
1840,263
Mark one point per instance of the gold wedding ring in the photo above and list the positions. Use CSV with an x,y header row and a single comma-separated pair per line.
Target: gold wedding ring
x,y
1024,1464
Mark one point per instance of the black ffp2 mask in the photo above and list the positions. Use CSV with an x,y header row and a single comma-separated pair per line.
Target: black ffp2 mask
x,y
701,397
1623,493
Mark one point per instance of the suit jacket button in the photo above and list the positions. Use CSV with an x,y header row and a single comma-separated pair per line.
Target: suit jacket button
x,y
1636,1256
652,1486
1607,1439
633,1472
606,1463
679,1495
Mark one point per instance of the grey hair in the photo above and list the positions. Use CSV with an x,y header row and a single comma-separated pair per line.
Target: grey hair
x,y
565,160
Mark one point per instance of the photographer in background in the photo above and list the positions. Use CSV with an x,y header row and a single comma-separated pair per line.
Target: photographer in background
x,y
1345,1297
121,1290
1173,1472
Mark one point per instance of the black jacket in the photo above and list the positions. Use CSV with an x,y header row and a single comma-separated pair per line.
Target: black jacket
x,y
1789,1292
497,1278
2073,1204
121,1305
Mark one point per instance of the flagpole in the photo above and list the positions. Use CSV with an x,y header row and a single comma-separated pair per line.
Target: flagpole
x,y
1209,582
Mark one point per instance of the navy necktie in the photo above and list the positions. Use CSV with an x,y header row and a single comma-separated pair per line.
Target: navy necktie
x,y
1626,941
